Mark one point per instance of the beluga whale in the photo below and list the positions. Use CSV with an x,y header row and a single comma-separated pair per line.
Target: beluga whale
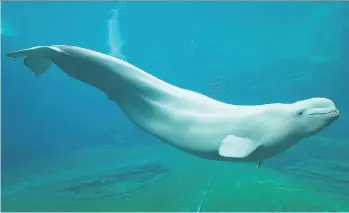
x,y
185,119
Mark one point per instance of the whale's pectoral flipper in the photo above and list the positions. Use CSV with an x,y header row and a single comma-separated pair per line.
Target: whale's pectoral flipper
x,y
34,59
237,147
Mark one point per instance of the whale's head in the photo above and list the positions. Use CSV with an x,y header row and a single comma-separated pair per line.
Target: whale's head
x,y
270,129
312,115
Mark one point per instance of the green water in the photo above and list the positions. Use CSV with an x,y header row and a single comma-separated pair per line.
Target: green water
x,y
234,187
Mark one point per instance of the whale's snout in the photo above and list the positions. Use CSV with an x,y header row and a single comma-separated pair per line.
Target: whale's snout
x,y
333,115
327,112
336,114
333,112
318,113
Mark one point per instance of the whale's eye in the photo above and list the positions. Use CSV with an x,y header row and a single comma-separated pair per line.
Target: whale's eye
x,y
300,112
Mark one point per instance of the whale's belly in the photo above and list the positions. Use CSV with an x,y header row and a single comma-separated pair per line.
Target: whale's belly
x,y
271,150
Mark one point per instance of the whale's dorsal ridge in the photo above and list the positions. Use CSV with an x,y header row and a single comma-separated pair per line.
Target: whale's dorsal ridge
x,y
237,147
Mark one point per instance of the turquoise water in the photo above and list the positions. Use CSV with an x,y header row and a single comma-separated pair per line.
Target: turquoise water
x,y
66,147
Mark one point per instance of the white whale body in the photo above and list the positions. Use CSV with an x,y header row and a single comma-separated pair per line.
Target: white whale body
x,y
185,119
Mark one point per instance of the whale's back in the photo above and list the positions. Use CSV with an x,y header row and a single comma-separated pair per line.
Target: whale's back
x,y
124,82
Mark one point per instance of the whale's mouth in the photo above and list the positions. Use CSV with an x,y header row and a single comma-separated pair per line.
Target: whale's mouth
x,y
323,113
332,113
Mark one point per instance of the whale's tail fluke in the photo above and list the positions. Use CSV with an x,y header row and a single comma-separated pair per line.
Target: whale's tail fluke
x,y
34,58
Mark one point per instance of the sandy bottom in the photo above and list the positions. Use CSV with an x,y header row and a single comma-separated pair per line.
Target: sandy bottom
x,y
160,178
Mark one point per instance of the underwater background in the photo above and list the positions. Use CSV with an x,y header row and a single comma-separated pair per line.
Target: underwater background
x,y
66,147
